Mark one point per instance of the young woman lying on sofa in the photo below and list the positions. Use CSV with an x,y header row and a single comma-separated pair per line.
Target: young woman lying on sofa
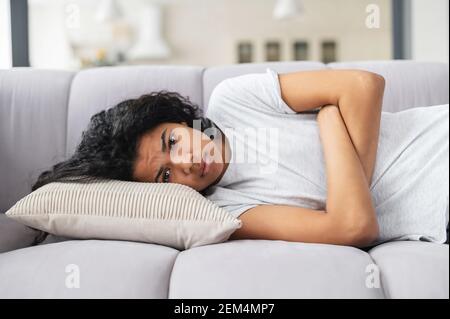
x,y
306,156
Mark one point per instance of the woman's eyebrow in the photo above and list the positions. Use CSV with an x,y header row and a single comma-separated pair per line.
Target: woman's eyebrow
x,y
163,149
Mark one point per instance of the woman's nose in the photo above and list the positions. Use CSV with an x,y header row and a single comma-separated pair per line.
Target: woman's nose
x,y
184,162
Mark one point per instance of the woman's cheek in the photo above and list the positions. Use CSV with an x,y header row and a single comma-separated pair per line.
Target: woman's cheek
x,y
209,148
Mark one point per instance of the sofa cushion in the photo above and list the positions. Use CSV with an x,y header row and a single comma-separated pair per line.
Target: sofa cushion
x,y
170,214
97,89
14,235
411,269
273,269
33,119
87,269
408,83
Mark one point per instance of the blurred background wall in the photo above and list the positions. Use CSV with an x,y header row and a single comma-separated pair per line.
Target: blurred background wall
x,y
74,34
429,23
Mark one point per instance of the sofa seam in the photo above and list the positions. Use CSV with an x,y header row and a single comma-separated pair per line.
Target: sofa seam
x,y
382,286
66,153
202,90
169,286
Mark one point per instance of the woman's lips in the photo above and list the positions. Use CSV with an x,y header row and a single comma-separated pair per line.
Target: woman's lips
x,y
204,168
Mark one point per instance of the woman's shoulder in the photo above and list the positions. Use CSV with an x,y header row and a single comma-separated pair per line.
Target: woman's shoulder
x,y
252,93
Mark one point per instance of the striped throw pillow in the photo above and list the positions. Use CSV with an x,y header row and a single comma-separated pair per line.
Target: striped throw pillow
x,y
173,215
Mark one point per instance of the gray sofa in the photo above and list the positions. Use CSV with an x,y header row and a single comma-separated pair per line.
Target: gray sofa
x,y
42,115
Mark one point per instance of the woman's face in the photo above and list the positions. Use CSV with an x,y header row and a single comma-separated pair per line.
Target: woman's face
x,y
176,153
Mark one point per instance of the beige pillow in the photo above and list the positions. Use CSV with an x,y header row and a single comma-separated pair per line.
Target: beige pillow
x,y
173,215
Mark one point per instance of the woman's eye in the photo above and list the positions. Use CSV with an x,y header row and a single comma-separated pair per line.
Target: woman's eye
x,y
172,141
166,176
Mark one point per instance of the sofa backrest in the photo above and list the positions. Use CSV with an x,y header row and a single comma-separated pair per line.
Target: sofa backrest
x,y
33,121
97,89
43,112
408,83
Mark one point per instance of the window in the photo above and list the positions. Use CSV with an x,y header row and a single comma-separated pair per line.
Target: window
x,y
245,52
273,51
329,51
301,51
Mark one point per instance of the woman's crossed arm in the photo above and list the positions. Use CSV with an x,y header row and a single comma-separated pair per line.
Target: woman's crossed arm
x,y
358,94
349,217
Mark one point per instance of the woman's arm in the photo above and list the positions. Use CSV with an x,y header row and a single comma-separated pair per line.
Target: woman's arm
x,y
349,218
358,94
361,111
348,194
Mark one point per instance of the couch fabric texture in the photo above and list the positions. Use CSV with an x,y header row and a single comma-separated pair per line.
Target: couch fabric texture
x,y
42,115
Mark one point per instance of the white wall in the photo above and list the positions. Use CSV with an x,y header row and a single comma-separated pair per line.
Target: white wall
x,y
49,47
207,32
430,24
5,35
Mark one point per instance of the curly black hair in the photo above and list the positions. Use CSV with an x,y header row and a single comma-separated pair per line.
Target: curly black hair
x,y
108,147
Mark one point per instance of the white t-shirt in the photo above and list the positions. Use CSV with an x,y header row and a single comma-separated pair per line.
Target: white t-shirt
x,y
277,159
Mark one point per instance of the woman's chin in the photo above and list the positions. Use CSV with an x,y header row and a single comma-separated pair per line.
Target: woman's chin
x,y
202,188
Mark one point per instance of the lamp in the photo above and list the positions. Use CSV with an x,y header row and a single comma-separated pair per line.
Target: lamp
x,y
115,30
108,10
150,43
286,9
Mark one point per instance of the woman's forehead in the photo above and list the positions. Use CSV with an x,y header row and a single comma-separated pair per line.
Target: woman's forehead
x,y
149,149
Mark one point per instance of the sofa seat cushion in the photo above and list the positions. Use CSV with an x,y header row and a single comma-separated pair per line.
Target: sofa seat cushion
x,y
413,269
87,269
273,269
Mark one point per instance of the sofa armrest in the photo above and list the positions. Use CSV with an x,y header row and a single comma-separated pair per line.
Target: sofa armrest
x,y
14,235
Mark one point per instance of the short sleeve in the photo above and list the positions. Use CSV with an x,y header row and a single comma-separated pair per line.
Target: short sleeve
x,y
232,201
282,105
256,91
237,210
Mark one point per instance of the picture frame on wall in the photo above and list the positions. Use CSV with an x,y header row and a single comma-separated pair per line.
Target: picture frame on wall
x,y
245,52
301,50
329,51
273,51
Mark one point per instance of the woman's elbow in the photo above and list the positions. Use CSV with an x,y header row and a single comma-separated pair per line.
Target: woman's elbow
x,y
372,82
363,235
